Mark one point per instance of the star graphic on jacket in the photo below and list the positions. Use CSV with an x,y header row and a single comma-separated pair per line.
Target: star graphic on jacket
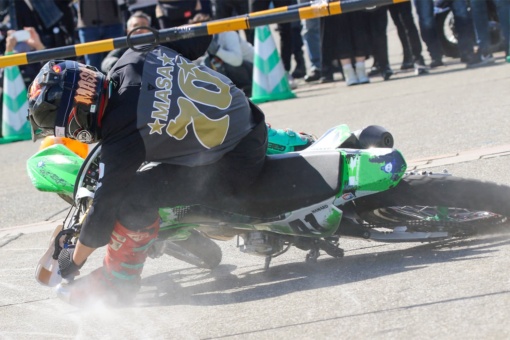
x,y
186,67
166,60
156,127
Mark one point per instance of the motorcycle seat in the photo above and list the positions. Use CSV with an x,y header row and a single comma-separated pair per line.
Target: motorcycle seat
x,y
288,182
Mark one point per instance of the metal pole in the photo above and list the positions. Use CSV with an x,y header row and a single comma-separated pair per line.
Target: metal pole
x,y
242,22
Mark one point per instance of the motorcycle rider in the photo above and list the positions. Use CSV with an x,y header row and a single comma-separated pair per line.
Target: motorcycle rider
x,y
154,105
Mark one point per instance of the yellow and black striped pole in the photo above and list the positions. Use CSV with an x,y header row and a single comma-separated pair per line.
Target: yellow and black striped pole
x,y
273,16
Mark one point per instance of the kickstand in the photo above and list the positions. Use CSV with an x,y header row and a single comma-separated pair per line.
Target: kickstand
x,y
313,255
267,262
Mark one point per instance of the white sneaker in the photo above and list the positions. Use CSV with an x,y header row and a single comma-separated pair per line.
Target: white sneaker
x,y
361,73
420,69
292,82
488,58
350,75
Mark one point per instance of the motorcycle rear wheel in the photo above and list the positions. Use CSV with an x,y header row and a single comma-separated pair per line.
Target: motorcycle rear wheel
x,y
197,250
459,206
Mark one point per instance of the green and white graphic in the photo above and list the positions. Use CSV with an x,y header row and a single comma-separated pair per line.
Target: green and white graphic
x,y
15,126
269,76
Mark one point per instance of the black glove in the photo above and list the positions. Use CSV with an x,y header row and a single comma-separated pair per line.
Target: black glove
x,y
213,47
68,269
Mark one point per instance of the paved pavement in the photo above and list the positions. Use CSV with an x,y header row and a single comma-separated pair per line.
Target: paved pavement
x,y
453,118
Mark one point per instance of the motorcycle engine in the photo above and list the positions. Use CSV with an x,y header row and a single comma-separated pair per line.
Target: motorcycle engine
x,y
260,243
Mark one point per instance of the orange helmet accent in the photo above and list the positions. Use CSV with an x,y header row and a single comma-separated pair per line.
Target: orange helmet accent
x,y
79,148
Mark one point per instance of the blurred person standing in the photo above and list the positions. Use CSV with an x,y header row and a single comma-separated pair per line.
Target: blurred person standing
x,y
378,40
146,6
297,50
138,19
311,34
463,25
353,46
402,16
173,13
345,45
222,9
330,47
98,20
480,14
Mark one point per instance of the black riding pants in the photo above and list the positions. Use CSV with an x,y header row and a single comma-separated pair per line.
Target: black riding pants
x,y
168,185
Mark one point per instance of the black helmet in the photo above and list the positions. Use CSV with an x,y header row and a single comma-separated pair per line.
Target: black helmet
x,y
67,99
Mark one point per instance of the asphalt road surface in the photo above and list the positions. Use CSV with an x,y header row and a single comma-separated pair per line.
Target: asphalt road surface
x,y
448,290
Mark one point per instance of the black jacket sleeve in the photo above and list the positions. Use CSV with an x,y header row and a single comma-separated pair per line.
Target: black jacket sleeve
x,y
111,59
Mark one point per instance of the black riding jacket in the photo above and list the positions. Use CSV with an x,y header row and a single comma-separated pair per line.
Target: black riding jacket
x,y
162,108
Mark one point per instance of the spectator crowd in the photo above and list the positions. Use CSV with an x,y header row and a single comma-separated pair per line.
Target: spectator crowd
x,y
335,44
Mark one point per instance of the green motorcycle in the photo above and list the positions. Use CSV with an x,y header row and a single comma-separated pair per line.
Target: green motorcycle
x,y
345,184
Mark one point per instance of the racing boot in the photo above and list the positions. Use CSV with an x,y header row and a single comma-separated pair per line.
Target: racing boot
x,y
117,282
286,140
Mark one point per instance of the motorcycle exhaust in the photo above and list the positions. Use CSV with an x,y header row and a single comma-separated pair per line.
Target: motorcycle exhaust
x,y
373,136
259,243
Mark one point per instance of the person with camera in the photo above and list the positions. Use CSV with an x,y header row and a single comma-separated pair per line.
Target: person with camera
x,y
25,40
18,42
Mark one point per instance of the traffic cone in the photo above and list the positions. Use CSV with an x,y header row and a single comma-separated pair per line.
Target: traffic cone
x,y
15,126
269,76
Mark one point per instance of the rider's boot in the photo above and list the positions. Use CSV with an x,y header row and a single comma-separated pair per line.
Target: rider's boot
x,y
287,140
117,282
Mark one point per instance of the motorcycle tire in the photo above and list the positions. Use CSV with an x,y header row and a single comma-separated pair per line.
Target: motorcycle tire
x,y
462,207
88,175
447,35
197,250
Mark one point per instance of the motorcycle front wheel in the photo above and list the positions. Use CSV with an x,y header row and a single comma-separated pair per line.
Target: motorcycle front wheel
x,y
197,250
459,206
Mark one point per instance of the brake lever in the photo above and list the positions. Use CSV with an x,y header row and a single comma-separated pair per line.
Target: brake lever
x,y
67,234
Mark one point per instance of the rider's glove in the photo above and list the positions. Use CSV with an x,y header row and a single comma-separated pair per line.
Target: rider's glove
x,y
68,269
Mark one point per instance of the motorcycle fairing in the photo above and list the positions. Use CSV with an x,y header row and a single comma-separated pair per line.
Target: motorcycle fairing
x,y
54,169
369,171
289,182
320,219
332,139
277,202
